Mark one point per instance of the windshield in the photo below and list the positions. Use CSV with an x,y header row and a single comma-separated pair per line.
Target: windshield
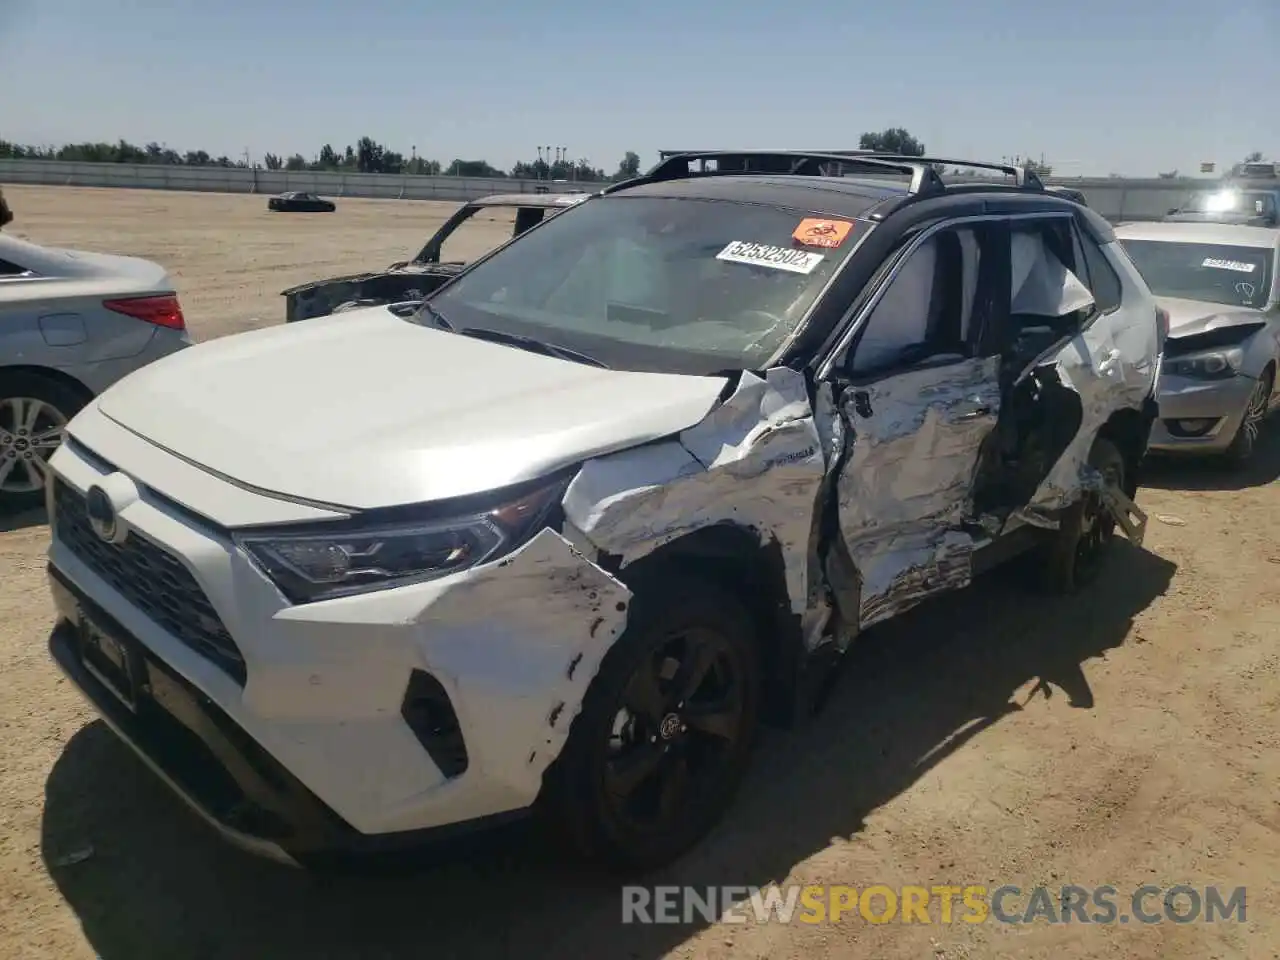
x,y
646,283
1250,203
1213,273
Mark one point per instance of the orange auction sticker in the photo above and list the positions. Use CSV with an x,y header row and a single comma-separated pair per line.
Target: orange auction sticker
x,y
813,232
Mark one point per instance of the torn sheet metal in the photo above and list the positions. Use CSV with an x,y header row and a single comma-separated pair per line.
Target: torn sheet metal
x,y
516,645
1127,514
909,479
1111,365
915,451
632,502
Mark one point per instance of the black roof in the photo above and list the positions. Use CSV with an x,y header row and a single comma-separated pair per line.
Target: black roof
x,y
874,197
842,196
870,185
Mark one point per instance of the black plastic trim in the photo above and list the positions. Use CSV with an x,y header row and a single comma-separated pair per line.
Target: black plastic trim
x,y
429,713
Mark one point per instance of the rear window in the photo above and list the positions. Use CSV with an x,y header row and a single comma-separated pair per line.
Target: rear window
x,y
659,284
1209,272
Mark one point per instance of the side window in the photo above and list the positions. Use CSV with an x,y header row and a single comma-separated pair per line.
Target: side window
x,y
8,269
526,217
929,311
1098,273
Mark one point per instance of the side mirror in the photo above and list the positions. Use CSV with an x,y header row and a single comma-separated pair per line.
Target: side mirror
x,y
1171,211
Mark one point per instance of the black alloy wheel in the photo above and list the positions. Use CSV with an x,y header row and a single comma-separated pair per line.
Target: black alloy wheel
x,y
666,730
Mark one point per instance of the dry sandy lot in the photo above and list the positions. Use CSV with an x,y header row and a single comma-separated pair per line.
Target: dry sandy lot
x,y
1126,738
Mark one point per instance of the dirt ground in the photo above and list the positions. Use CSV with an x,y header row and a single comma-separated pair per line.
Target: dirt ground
x,y
1126,737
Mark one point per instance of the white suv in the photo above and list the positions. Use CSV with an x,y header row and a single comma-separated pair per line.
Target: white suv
x,y
560,536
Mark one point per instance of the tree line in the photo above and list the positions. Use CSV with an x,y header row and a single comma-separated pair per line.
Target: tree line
x,y
365,156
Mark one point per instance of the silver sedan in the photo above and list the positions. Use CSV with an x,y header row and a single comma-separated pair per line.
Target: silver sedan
x,y
1218,285
71,324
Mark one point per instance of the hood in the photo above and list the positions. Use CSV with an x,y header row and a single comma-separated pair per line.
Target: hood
x,y
365,410
1188,317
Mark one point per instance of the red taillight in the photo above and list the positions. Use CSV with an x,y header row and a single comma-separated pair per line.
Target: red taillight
x,y
1162,326
162,311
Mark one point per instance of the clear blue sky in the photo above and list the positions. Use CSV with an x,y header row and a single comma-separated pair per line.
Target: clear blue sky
x,y
1098,86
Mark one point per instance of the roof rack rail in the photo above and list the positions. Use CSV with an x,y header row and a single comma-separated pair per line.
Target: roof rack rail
x,y
664,154
1023,177
924,178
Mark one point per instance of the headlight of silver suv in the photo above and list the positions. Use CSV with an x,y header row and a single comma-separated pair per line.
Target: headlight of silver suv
x,y
323,562
1207,364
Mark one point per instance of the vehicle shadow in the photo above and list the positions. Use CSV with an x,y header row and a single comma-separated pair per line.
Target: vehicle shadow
x,y
148,880
22,519
1211,473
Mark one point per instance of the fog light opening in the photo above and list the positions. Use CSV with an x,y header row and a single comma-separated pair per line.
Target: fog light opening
x,y
1197,427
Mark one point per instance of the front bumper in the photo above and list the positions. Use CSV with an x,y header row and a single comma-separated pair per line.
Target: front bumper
x,y
1199,416
211,763
382,714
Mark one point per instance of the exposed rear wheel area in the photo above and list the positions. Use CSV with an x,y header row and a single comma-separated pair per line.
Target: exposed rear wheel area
x,y
1087,530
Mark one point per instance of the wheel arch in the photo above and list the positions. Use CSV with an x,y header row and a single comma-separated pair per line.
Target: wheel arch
x,y
1128,430
741,561
44,373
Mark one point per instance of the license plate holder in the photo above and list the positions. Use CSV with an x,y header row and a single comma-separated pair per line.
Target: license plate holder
x,y
111,660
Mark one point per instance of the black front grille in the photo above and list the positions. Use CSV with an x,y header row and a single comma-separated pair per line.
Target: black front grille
x,y
152,579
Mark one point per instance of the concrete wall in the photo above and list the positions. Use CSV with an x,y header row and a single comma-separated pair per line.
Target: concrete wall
x,y
268,182
1115,199
1120,200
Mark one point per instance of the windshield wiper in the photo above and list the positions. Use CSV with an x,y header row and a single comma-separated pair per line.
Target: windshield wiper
x,y
528,343
437,316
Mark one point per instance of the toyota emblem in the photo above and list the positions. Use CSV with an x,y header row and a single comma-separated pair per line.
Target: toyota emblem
x,y
102,513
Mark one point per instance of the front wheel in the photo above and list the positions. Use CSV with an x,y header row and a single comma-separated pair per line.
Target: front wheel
x,y
1245,443
1087,530
665,733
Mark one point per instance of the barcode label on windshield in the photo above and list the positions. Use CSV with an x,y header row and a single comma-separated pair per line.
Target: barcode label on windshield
x,y
1235,265
766,255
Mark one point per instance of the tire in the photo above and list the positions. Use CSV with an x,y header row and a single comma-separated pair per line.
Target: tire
x,y
1244,445
1086,532
619,769
60,402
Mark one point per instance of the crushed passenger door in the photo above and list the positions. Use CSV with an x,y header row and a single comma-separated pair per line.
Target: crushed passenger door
x,y
906,484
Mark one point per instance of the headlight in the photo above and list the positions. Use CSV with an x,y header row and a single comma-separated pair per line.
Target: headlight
x,y
322,563
1208,365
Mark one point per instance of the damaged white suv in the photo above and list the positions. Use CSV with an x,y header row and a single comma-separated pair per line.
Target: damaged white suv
x,y
562,535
